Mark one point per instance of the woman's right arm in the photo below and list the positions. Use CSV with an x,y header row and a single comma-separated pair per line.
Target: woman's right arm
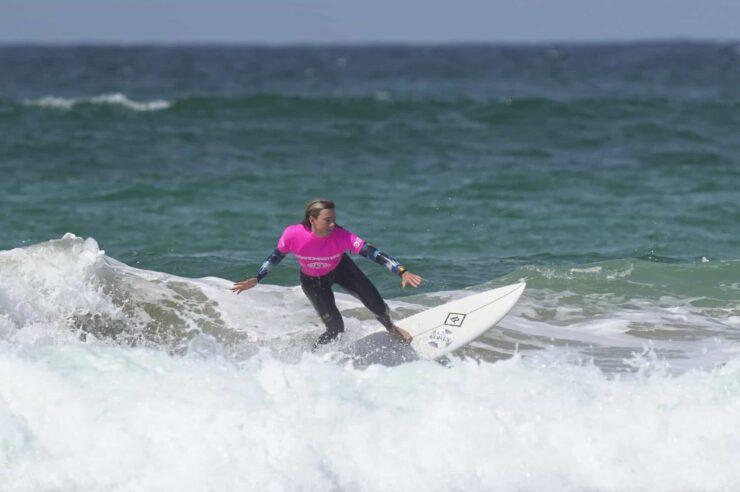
x,y
271,262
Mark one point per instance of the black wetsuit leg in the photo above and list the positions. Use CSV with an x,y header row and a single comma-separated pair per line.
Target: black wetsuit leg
x,y
353,280
318,290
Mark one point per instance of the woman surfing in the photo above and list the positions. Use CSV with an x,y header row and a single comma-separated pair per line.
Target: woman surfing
x,y
321,247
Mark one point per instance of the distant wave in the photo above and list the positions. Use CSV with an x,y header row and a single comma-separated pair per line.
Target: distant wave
x,y
116,99
380,104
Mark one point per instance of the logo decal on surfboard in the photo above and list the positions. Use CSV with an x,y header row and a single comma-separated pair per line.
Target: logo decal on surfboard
x,y
440,338
455,319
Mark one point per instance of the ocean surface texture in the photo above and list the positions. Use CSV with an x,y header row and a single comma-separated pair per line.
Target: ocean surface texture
x,y
139,182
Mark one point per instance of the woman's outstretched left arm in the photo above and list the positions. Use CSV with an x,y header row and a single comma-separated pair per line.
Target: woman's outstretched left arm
x,y
381,258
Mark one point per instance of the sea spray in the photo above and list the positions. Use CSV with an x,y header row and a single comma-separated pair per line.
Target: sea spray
x,y
101,418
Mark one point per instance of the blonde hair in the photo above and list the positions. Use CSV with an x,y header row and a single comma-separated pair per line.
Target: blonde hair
x,y
314,208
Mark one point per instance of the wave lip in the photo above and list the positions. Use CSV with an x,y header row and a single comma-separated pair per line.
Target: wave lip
x,y
115,99
67,290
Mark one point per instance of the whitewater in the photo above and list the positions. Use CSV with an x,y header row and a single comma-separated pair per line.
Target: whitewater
x,y
118,378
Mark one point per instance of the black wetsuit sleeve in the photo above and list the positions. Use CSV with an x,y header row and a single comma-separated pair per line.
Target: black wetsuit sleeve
x,y
271,262
371,252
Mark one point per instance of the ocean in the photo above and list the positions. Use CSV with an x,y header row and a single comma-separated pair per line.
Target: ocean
x,y
139,182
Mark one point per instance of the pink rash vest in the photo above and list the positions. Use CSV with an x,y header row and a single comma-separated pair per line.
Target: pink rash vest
x,y
318,255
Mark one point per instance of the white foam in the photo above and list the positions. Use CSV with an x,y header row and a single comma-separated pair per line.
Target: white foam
x,y
103,418
116,99
88,415
42,285
52,102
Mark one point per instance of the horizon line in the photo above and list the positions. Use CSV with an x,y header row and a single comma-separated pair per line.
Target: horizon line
x,y
369,43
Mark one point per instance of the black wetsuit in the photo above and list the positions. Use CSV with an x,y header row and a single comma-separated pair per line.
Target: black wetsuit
x,y
350,278
353,280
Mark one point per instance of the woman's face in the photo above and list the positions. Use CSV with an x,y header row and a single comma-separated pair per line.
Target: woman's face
x,y
323,225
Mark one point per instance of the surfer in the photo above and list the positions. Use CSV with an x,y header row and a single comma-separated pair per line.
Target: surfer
x,y
321,247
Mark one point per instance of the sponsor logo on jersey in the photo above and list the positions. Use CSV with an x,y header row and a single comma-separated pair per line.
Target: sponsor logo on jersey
x,y
325,258
318,264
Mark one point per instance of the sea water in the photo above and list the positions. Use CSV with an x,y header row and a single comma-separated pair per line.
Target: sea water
x,y
139,182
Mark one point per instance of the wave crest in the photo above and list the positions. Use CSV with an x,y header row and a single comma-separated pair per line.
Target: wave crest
x,y
67,290
116,99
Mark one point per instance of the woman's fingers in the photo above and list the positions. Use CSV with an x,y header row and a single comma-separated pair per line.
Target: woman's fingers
x,y
243,285
411,279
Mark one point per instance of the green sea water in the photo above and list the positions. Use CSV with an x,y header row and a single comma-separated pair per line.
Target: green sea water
x,y
587,169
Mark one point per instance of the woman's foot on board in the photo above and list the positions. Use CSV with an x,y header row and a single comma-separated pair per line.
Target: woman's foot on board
x,y
402,334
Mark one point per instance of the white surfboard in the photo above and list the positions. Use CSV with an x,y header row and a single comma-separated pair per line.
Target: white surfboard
x,y
442,329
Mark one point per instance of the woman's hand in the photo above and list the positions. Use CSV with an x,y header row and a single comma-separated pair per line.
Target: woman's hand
x,y
244,285
411,279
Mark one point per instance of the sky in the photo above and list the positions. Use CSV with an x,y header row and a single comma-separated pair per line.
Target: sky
x,y
350,21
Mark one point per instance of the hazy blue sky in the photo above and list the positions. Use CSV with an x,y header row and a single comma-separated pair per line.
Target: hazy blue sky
x,y
280,21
